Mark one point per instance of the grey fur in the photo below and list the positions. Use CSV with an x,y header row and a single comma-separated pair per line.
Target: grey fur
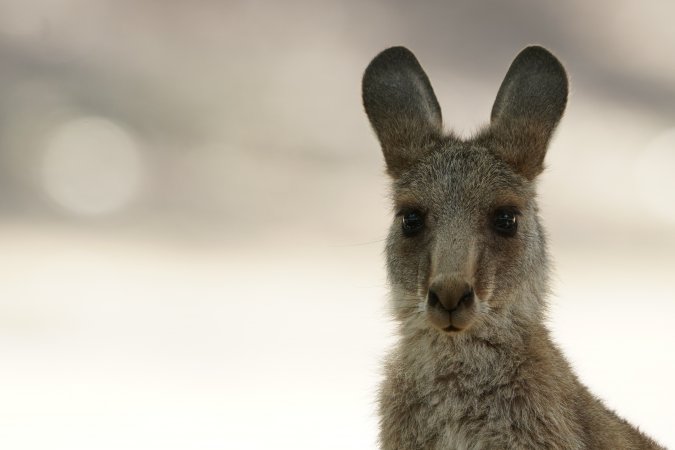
x,y
492,378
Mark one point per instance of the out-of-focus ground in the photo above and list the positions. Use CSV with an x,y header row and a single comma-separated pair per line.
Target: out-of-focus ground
x,y
192,209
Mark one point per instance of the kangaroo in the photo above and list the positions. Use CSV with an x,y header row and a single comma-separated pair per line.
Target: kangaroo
x,y
475,367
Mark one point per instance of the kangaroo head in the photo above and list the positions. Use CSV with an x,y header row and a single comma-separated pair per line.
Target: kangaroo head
x,y
465,249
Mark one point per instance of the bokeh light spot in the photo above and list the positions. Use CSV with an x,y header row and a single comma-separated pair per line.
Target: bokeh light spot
x,y
91,166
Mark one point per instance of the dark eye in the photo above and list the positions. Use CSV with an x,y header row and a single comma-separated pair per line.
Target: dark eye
x,y
505,221
413,222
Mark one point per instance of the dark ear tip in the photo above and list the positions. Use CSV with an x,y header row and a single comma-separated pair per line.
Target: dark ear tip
x,y
397,52
389,59
536,50
541,58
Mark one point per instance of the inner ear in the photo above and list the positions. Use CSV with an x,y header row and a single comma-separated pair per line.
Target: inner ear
x,y
528,107
402,107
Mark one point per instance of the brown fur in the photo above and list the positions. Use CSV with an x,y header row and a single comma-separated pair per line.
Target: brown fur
x,y
480,371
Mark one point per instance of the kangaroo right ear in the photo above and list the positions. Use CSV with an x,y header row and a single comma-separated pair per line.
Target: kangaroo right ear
x,y
528,107
401,107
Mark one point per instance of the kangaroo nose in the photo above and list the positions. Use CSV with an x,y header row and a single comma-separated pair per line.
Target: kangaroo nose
x,y
449,294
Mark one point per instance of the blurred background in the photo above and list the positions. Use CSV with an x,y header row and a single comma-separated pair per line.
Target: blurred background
x,y
193,208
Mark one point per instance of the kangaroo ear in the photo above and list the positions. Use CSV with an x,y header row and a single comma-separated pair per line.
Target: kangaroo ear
x,y
401,106
529,105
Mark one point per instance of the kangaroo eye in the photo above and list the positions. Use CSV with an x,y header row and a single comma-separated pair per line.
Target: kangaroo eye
x,y
413,222
505,222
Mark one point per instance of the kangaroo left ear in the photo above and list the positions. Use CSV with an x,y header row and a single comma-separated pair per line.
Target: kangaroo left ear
x,y
528,107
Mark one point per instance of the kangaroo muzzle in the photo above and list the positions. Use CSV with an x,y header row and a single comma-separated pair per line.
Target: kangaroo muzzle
x,y
450,303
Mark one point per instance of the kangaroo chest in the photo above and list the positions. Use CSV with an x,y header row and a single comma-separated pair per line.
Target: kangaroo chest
x,y
436,413
453,405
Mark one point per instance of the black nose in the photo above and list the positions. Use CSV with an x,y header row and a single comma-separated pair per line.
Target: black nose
x,y
449,294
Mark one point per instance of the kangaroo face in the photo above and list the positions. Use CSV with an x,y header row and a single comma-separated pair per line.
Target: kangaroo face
x,y
460,238
465,246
